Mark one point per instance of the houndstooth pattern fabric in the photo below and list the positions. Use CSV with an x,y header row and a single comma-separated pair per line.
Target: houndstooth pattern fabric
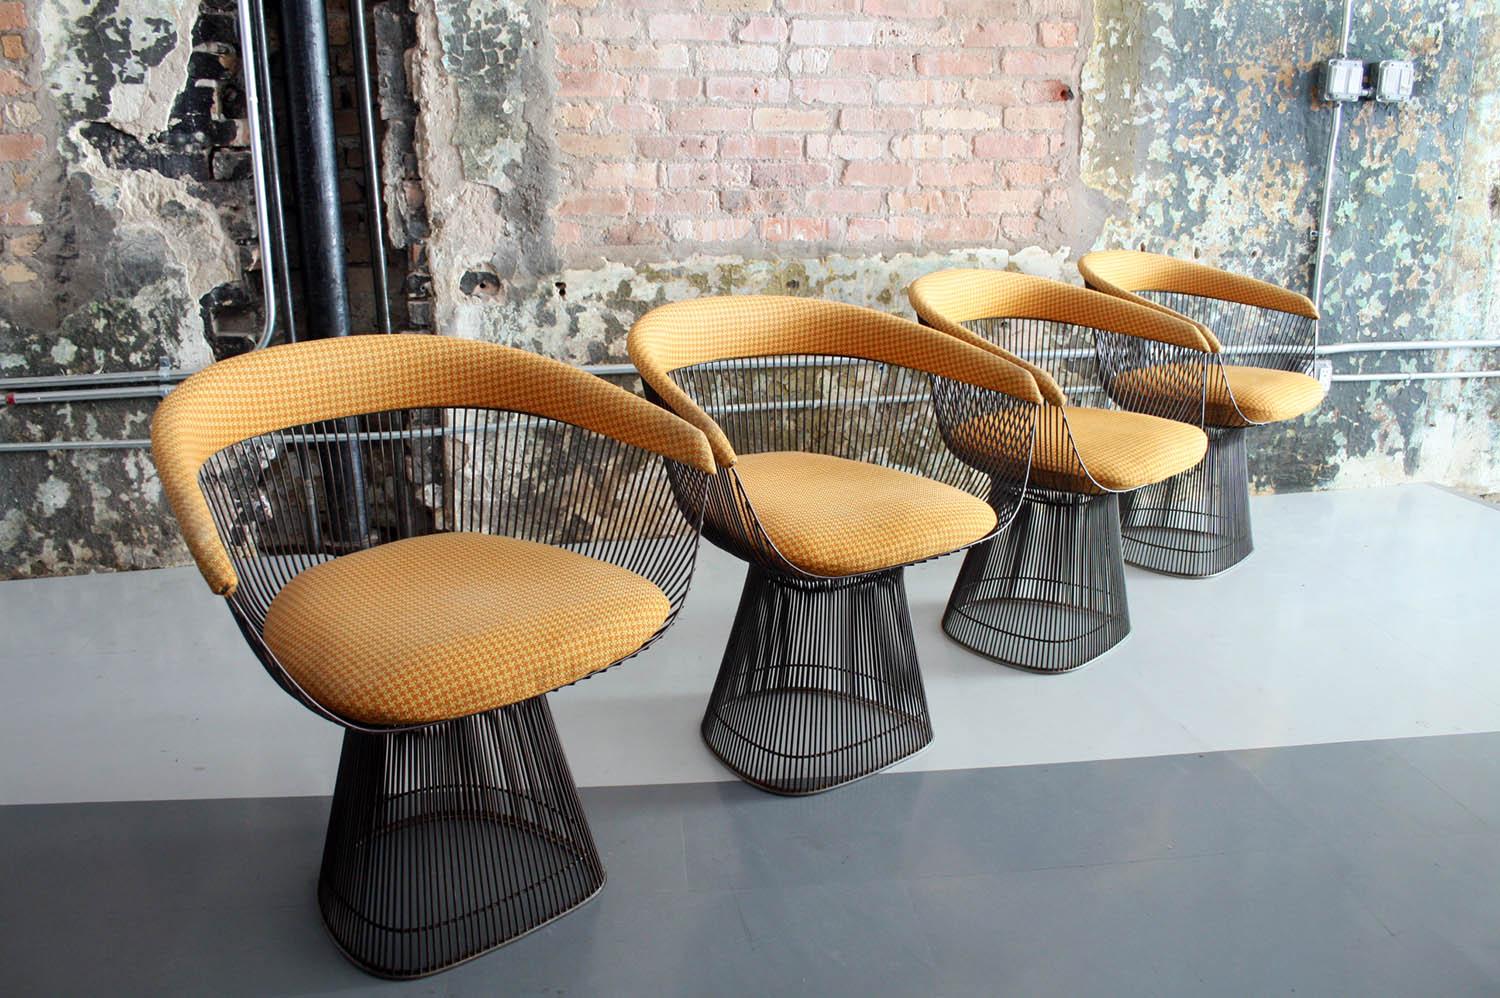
x,y
301,383
1240,396
830,516
720,328
1123,272
947,299
445,625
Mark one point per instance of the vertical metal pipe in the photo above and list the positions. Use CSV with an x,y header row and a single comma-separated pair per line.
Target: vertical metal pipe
x,y
1330,168
373,207
250,72
310,99
309,85
275,202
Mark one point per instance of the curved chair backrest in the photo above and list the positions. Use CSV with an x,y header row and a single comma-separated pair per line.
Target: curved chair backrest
x,y
758,362
1075,340
263,461
1250,320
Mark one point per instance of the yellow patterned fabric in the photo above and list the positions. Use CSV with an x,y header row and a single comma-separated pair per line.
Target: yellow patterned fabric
x,y
308,382
833,517
1124,272
1118,450
706,329
446,625
1242,396
946,299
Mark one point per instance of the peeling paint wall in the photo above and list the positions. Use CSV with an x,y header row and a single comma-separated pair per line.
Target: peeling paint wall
x,y
1185,126
132,211
1202,137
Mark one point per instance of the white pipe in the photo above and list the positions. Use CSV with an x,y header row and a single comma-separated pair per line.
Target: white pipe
x,y
1417,376
258,169
1330,163
1380,347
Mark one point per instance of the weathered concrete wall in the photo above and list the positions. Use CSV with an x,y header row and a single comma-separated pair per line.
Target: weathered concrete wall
x,y
509,127
126,235
1201,137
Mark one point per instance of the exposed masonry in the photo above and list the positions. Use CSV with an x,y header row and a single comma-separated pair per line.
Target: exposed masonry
x,y
553,168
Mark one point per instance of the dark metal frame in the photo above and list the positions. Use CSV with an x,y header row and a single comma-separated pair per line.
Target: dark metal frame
x,y
1198,524
1049,596
447,840
819,684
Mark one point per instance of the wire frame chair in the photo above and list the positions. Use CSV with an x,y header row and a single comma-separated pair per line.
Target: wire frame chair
x,y
819,684
450,838
1197,524
1049,595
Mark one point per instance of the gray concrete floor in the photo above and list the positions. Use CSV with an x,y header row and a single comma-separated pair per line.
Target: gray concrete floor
x,y
1356,868
1236,800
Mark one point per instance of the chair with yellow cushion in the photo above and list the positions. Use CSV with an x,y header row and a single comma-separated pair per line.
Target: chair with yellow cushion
x,y
1262,341
828,422
1050,595
420,537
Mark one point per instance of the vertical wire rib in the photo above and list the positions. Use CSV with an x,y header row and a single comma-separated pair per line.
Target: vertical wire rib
x,y
819,683
1197,524
449,839
1048,595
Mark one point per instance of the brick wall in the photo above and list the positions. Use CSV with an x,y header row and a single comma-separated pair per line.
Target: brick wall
x,y
21,150
867,124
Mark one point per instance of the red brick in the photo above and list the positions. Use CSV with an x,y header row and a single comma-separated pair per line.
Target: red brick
x,y
1058,34
1002,146
763,29
867,230
793,174
696,175
1028,174
747,89
968,174
996,202
678,203
738,58
13,17
591,84
760,147
761,201
690,27
1040,118
609,28
927,146
992,91
876,62
821,90
960,230
595,204
584,55
635,117
1046,91
1035,62
654,87
923,92
576,116
13,84
961,63
623,174
794,229
673,147
904,8
880,119
613,145
782,119
820,6
838,32
635,233
934,203
878,174
996,34
857,146
960,119
14,148
646,57
845,201
563,26
715,230
710,119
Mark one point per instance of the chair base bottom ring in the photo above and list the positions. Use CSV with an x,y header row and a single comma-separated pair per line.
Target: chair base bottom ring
x,y
1196,524
819,684
1048,595
448,841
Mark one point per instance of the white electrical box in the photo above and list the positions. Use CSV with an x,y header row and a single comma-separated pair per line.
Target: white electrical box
x,y
1393,81
1343,79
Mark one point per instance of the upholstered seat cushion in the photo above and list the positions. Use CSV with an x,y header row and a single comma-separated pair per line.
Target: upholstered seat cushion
x,y
1263,394
833,517
442,626
1121,450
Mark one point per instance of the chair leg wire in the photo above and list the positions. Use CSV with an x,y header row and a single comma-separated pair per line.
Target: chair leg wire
x,y
819,684
1048,595
1195,524
447,841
